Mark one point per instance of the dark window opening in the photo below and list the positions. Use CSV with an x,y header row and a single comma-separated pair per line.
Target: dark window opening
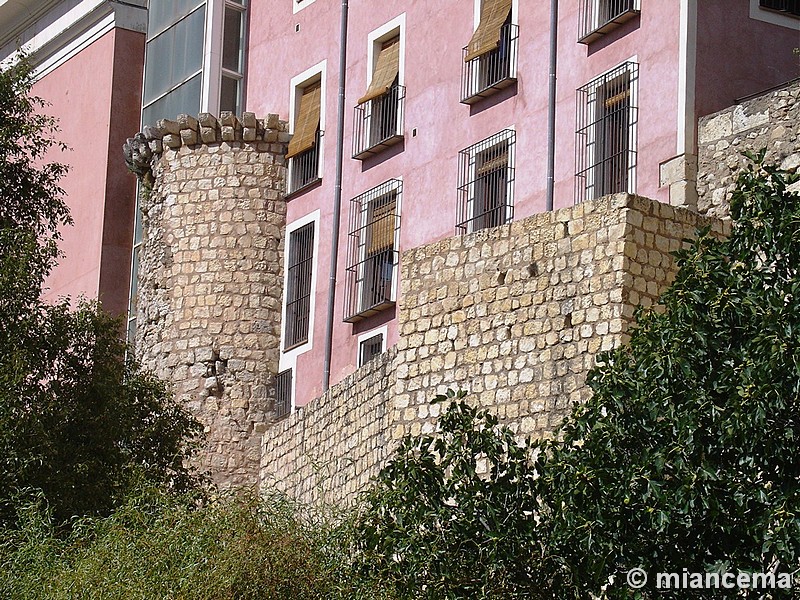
x,y
298,288
791,7
486,173
370,348
606,134
372,251
283,394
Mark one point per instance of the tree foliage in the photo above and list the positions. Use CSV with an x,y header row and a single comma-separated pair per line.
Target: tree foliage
x,y
452,515
78,420
687,455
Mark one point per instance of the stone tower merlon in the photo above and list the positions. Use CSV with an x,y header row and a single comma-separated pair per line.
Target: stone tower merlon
x,y
210,275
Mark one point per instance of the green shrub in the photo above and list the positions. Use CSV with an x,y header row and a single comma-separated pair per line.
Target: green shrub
x,y
159,546
453,515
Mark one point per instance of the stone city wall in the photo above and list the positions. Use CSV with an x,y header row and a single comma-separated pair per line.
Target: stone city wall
x,y
771,121
515,315
329,449
210,275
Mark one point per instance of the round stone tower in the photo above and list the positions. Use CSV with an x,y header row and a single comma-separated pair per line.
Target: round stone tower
x,y
210,275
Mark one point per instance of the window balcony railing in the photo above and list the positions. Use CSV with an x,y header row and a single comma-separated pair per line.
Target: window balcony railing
x,y
606,134
598,17
486,190
372,255
378,123
484,75
304,168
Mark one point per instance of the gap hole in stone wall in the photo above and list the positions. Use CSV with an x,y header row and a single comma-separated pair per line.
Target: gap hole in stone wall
x,y
568,320
533,270
501,277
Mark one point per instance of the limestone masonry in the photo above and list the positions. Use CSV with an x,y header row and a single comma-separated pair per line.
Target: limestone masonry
x,y
515,315
211,274
770,121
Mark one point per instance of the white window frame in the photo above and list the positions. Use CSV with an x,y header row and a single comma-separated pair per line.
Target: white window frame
x,y
633,133
475,150
363,337
397,187
211,70
375,39
212,58
297,84
298,6
288,358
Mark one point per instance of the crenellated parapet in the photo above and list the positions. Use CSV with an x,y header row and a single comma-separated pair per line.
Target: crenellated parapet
x,y
186,130
210,274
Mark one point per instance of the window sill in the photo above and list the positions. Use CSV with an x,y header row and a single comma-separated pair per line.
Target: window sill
x,y
489,90
609,26
379,147
373,310
303,188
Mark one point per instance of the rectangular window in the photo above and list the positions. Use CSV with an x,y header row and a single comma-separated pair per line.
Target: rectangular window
x,y
174,63
232,57
298,286
598,17
486,190
304,147
490,58
369,349
372,251
606,134
379,115
788,6
283,394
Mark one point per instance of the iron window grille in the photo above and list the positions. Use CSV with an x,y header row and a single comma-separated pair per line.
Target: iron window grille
x,y
788,6
488,73
606,136
598,17
304,167
379,122
372,255
283,394
298,286
486,190
369,349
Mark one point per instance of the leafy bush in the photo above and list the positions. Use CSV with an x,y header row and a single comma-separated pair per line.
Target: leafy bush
x,y
687,455
452,515
159,546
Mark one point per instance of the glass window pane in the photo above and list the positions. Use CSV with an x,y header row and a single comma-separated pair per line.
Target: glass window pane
x,y
163,13
174,55
232,40
229,95
183,99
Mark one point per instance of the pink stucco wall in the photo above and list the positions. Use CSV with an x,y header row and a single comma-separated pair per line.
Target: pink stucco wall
x,y
96,96
428,162
756,55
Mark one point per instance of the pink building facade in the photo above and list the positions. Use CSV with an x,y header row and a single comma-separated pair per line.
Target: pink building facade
x,y
445,129
467,146
88,58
